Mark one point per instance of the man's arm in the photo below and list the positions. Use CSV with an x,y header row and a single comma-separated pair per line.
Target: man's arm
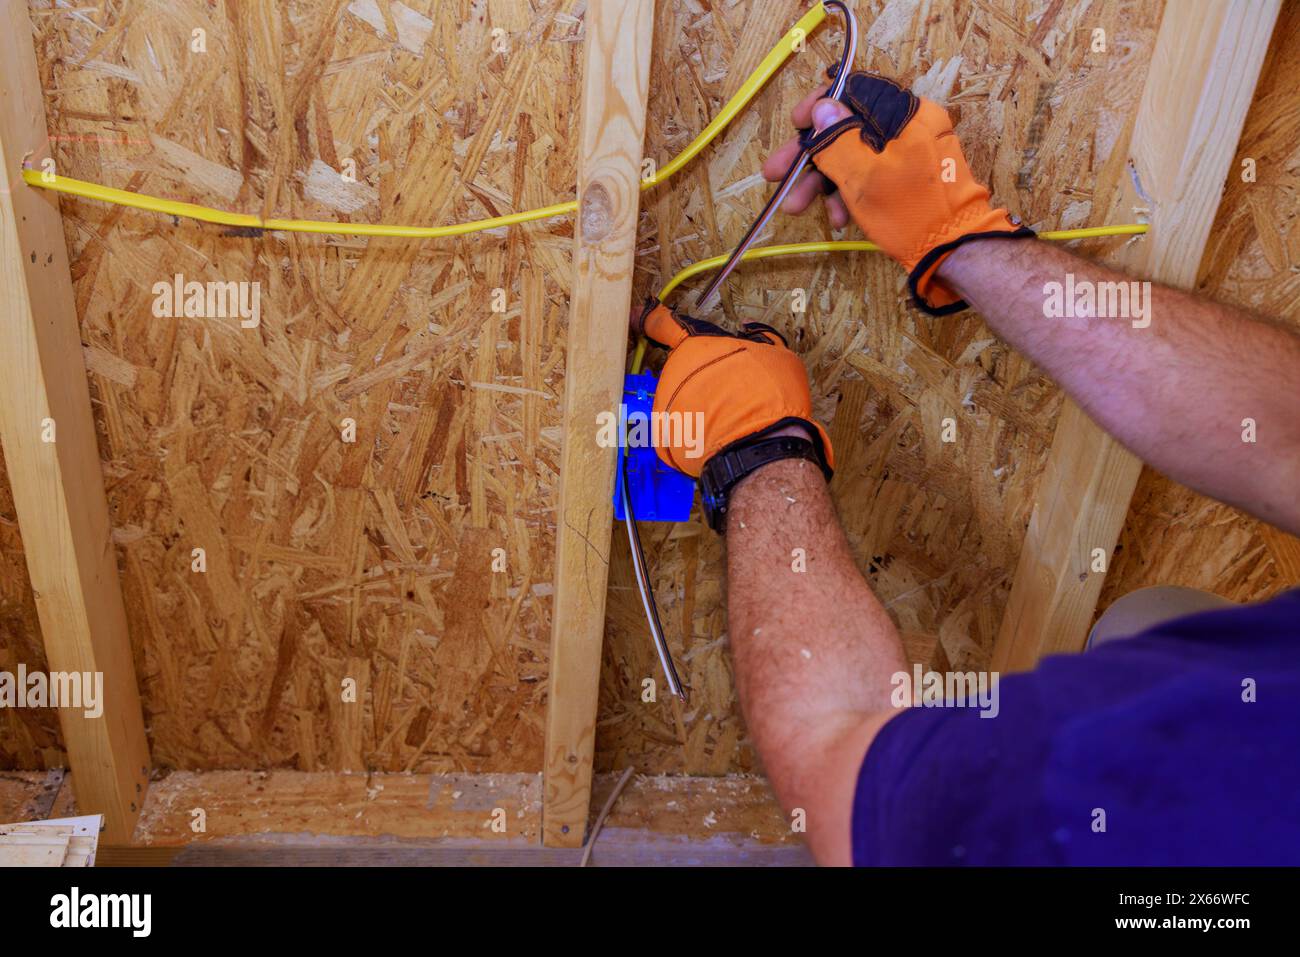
x,y
1175,391
814,650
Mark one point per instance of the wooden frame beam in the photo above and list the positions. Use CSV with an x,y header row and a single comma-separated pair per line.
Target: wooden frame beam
x,y
327,818
615,86
52,457
613,850
1201,81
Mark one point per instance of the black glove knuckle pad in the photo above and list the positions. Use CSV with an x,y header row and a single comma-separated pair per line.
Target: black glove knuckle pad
x,y
881,109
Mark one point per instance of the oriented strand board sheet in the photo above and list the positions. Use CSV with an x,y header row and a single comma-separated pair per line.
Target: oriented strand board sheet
x,y
414,563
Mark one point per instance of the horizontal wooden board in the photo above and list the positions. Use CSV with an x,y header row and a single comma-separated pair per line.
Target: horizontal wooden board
x,y
320,808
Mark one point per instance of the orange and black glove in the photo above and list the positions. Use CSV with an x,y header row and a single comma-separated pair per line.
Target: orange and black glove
x,y
900,170
730,393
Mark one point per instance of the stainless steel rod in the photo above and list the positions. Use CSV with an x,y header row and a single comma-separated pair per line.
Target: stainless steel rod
x,y
791,176
647,591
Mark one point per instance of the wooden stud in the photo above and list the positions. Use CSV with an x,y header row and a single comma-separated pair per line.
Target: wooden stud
x,y
615,86
53,459
1199,88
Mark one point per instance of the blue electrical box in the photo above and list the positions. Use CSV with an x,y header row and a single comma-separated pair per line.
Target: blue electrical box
x,y
658,493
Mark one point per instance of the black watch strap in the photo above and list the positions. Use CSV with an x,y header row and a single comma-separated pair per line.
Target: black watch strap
x,y
725,470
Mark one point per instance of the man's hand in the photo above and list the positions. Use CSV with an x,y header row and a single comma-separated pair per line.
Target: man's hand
x,y
737,386
814,652
901,176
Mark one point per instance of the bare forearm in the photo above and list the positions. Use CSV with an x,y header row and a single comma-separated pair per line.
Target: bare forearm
x,y
1175,380
813,649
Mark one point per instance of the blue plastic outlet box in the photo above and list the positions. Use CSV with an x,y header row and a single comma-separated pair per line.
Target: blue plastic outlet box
x,y
659,493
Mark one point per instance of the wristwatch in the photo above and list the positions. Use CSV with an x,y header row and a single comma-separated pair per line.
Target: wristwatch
x,y
725,470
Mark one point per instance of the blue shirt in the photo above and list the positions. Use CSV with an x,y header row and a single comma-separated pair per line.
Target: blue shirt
x,y
1146,750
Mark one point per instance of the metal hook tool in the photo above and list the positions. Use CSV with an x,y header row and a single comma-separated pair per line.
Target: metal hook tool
x,y
791,176
773,204
648,594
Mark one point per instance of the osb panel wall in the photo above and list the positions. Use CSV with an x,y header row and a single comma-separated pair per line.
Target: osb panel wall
x,y
936,527
326,560
371,560
1174,536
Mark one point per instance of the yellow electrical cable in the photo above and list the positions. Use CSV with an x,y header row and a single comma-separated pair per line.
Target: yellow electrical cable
x,y
793,38
847,246
1093,232
765,252
862,246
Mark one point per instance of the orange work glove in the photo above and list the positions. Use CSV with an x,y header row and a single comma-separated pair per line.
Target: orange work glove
x,y
900,170
739,388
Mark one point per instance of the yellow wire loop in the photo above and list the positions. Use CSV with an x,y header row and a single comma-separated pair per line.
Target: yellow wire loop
x,y
849,246
862,246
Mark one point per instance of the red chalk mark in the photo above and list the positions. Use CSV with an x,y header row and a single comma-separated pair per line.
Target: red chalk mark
x,y
122,140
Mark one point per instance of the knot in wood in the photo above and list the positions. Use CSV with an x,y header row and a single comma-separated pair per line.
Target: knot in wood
x,y
597,212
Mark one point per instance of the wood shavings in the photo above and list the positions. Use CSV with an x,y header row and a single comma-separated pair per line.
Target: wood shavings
x,y
412,28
